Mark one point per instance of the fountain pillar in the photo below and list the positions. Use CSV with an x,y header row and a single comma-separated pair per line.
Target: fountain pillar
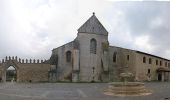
x,y
163,76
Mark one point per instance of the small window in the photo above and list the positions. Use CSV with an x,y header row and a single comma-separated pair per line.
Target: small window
x,y
68,56
114,57
144,59
160,63
168,64
149,71
150,61
165,64
128,57
156,62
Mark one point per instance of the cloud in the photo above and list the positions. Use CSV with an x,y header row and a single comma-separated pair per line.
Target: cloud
x,y
147,24
31,29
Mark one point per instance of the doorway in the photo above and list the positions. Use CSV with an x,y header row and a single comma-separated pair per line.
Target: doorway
x,y
11,74
159,77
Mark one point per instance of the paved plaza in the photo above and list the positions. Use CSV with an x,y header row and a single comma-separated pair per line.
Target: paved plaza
x,y
74,91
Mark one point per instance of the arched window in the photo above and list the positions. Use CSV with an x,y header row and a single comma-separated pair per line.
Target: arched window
x,y
93,45
168,64
156,62
114,57
150,61
165,64
160,63
128,57
68,56
144,59
149,71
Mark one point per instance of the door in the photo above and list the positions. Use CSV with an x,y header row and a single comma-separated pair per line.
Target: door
x,y
159,77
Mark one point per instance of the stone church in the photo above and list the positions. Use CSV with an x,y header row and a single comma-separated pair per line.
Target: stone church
x,y
88,58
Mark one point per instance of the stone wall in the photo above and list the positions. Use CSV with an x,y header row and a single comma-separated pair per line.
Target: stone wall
x,y
33,72
64,68
27,71
125,61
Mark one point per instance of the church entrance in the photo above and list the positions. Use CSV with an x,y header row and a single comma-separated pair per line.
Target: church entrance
x,y
11,74
159,77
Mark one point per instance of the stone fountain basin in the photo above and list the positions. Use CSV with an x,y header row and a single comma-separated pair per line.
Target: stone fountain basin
x,y
120,84
127,88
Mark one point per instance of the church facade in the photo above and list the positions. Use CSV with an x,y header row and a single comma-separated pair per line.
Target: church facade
x,y
90,58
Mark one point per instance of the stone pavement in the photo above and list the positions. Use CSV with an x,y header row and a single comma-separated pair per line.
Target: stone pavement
x,y
74,91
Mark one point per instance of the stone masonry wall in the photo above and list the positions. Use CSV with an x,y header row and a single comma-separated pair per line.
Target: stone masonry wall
x,y
27,70
64,68
33,72
90,64
125,61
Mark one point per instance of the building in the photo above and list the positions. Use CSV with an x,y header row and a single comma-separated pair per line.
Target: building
x,y
89,57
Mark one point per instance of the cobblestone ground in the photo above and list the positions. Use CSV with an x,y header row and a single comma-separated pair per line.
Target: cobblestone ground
x,y
74,91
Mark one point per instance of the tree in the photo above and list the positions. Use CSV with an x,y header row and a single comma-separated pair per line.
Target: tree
x,y
54,59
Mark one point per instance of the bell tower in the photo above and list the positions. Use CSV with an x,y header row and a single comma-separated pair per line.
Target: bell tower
x,y
92,37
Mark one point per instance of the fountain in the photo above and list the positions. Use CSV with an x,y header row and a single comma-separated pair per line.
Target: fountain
x,y
127,88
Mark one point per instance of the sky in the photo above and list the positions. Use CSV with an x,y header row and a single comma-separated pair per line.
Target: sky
x,y
32,28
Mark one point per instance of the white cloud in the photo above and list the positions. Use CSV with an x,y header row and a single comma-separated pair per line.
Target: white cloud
x,y
142,43
32,28
156,22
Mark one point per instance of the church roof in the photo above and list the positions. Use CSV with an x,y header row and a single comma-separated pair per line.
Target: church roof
x,y
93,25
